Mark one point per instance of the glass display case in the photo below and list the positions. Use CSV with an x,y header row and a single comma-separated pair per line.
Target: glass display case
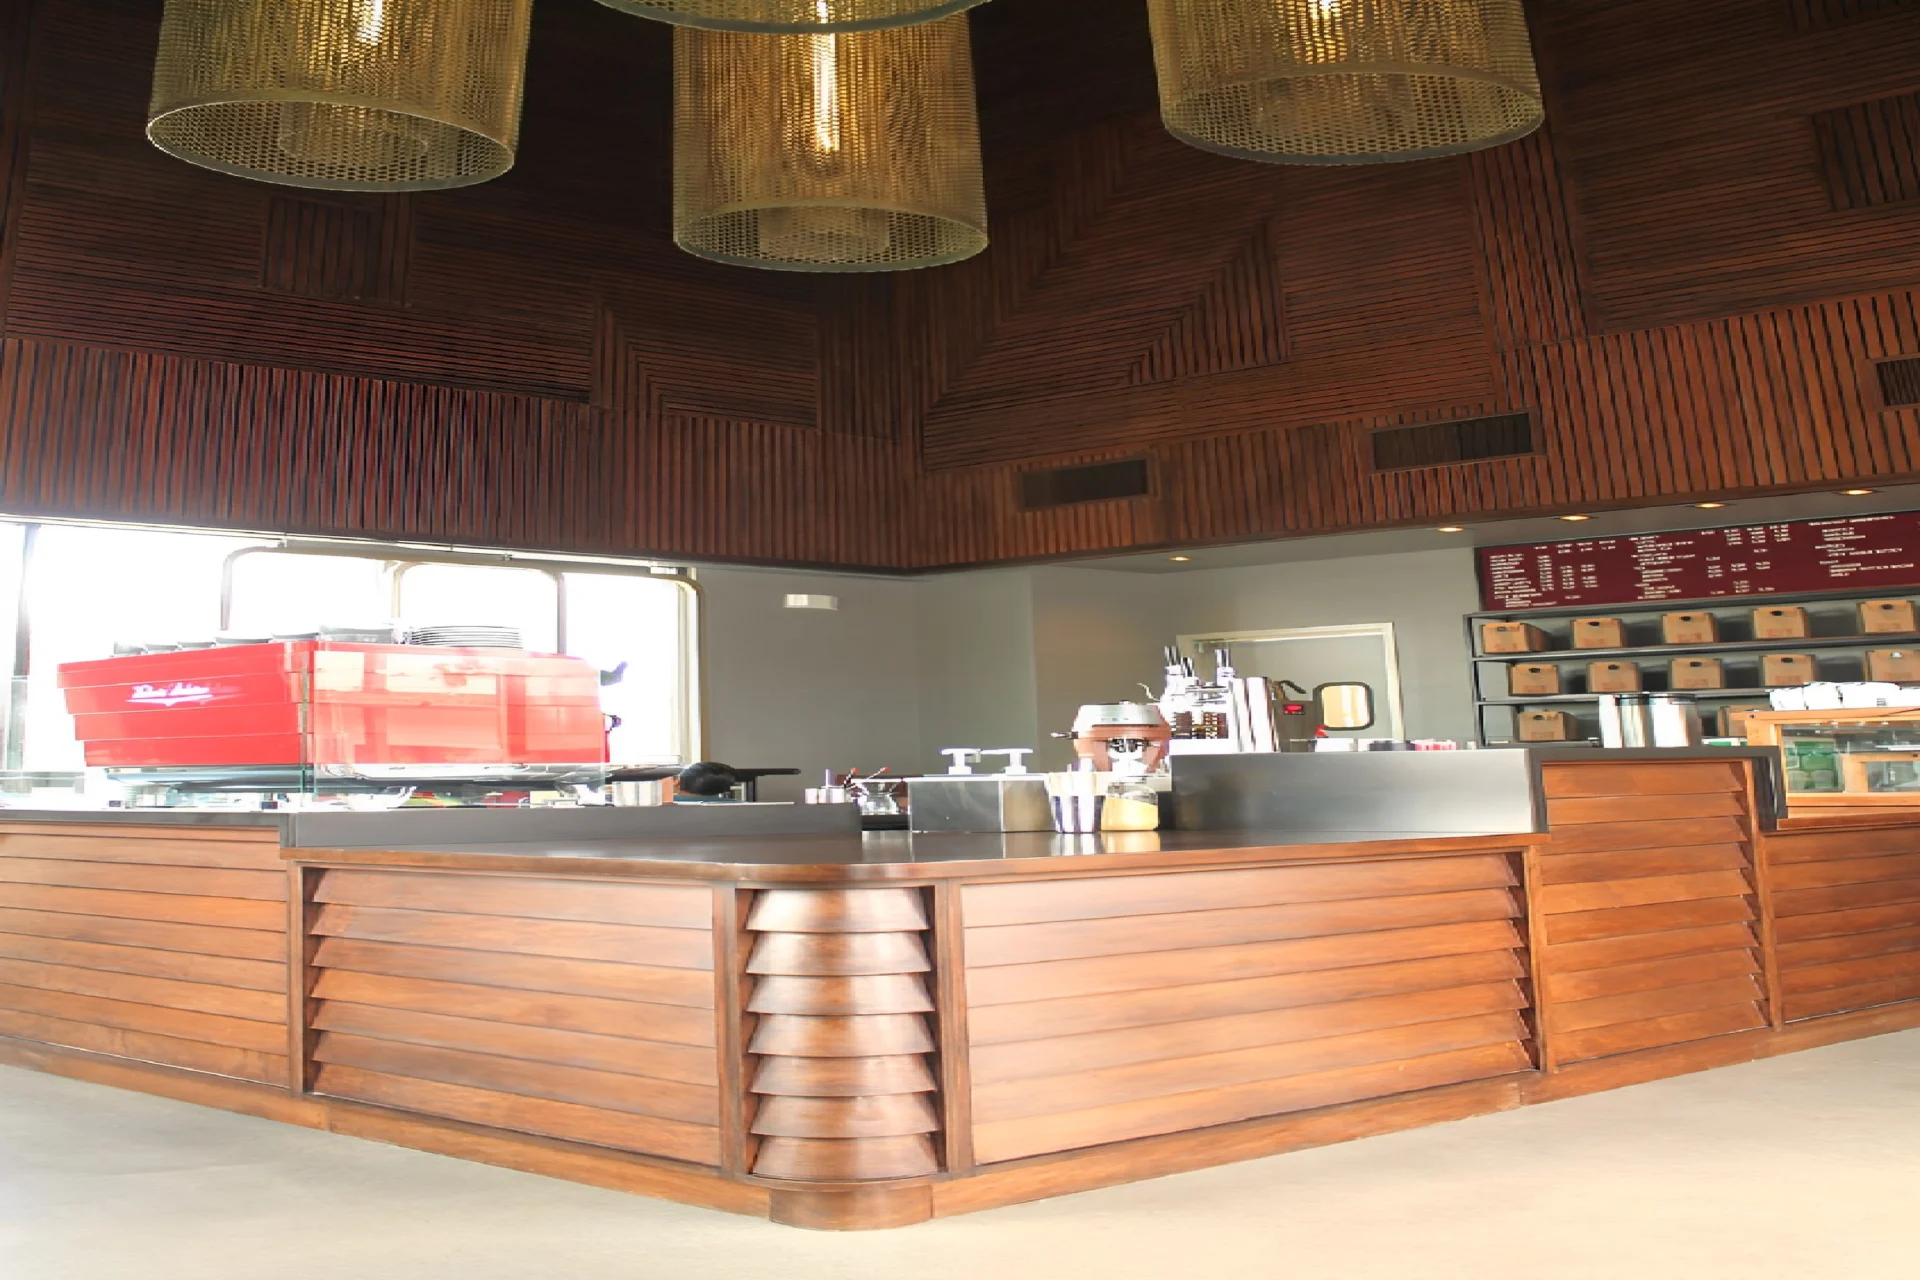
x,y
1847,758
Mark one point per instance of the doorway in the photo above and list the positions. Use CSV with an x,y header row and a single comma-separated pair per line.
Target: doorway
x,y
1362,652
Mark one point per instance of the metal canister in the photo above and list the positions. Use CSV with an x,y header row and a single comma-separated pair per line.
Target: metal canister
x,y
1675,720
1625,720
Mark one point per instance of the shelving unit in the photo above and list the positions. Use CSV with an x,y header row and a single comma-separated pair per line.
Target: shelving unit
x,y
1837,645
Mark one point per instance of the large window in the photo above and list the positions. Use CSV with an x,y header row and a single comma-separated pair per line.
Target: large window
x,y
74,592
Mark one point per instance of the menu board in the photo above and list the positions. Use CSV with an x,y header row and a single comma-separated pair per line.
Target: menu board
x,y
1863,553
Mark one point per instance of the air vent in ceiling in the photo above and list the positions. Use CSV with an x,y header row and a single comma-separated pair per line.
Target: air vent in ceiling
x,y
1899,382
1439,444
1818,15
1870,151
1101,482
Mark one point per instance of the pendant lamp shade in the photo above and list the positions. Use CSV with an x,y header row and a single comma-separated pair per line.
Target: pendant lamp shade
x,y
1345,81
347,95
793,16
848,152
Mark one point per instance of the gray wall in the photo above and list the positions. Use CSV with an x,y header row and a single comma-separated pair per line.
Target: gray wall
x,y
978,680
809,688
1424,594
1003,657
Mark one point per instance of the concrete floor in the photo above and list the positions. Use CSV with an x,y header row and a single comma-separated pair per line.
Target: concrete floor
x,y
1806,1166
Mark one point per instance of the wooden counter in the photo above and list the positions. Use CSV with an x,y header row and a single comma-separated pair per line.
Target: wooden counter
x,y
845,1032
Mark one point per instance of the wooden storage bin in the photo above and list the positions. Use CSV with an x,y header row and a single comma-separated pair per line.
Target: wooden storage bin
x,y
1880,616
1532,679
1780,622
1781,670
1689,628
1599,633
1697,673
1544,726
1613,677
1895,666
1512,637
1733,720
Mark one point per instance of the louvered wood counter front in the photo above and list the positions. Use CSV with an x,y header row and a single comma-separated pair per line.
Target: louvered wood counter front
x,y
856,1032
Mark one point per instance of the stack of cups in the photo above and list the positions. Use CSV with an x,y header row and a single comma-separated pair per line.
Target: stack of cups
x,y
1076,800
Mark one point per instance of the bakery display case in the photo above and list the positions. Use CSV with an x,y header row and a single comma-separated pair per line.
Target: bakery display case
x,y
1859,758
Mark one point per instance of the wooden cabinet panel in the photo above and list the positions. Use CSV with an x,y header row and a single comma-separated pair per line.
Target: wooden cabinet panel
x,y
172,908
1088,1026
121,1042
147,943
243,944
596,1126
633,1019
1012,904
1360,985
1041,1056
1031,1135
263,886
661,905
564,939
589,1087
614,980
251,975
1010,984
564,1021
1649,933
1122,935
600,1051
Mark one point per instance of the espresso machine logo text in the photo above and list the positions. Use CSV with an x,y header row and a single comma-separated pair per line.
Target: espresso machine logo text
x,y
177,694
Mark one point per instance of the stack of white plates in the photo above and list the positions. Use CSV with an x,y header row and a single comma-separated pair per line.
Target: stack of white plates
x,y
466,637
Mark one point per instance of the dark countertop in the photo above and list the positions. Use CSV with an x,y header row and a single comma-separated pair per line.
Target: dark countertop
x,y
1387,815
152,817
899,855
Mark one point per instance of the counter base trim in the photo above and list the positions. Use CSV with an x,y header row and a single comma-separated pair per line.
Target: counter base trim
x,y
902,1203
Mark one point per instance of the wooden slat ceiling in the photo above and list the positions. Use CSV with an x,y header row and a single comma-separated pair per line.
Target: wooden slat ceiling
x,y
1686,281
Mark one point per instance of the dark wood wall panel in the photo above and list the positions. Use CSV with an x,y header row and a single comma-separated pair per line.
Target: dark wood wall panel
x,y
529,363
1661,278
206,442
1684,280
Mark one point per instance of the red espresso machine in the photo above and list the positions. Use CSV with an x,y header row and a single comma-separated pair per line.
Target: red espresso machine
x,y
313,708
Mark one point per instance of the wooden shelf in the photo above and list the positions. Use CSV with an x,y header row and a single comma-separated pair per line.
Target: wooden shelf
x,y
1839,653
1894,638
1546,698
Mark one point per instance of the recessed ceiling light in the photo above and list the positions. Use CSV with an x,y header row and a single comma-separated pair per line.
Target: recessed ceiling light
x,y
1452,528
1709,506
1575,519
1181,559
1858,493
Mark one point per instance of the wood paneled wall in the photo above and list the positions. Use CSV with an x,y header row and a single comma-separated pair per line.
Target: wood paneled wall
x,y
1685,280
529,363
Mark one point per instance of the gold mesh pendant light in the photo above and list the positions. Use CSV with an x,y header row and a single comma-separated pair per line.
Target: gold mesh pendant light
x,y
851,152
349,95
793,15
1345,81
